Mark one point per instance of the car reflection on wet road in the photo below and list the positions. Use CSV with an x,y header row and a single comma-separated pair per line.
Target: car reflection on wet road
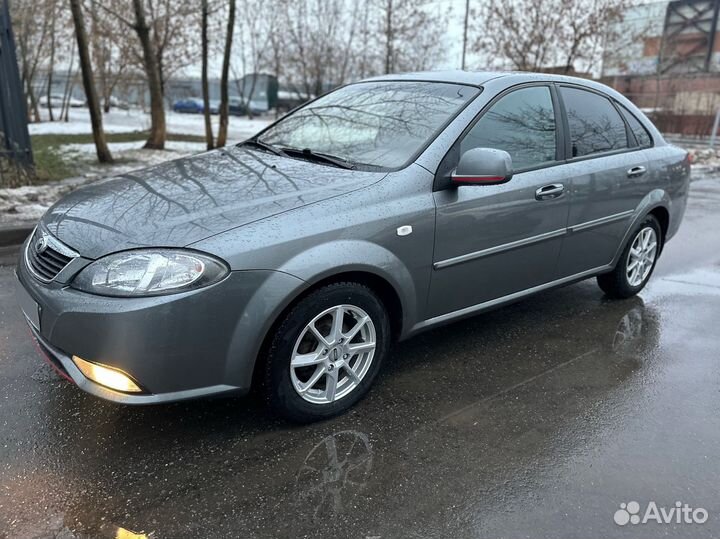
x,y
537,420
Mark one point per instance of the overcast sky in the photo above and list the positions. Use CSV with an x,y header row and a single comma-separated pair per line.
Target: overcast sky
x,y
454,36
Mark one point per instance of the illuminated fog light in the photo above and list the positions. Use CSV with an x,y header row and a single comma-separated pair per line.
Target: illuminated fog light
x,y
106,376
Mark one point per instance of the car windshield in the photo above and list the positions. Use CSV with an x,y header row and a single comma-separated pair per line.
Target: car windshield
x,y
380,124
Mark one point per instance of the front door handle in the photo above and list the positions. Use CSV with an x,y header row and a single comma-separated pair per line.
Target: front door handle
x,y
634,172
547,192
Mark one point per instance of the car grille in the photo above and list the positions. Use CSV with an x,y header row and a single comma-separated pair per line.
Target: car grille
x,y
46,256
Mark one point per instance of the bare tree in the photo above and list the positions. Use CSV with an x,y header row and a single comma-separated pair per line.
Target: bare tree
x,y
321,40
103,153
410,31
112,51
65,110
139,24
224,77
254,36
32,21
54,16
587,26
175,41
205,88
158,132
514,33
166,43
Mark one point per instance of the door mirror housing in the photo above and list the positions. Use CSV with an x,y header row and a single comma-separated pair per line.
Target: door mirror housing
x,y
483,166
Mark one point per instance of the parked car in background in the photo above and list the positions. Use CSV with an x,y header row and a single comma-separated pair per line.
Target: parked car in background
x,y
118,103
287,100
236,107
189,105
377,211
57,100
195,105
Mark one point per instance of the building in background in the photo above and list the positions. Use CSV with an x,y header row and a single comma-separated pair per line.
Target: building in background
x,y
666,58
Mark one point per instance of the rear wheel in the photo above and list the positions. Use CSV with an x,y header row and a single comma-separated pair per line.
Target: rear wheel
x,y
326,352
636,263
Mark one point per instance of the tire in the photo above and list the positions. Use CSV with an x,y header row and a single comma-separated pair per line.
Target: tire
x,y
621,283
329,362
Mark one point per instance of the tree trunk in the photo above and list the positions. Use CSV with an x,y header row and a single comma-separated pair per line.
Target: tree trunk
x,y
33,103
101,148
156,140
224,98
205,88
64,112
99,56
389,61
52,64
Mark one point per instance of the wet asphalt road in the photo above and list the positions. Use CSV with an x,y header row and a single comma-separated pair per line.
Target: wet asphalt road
x,y
536,420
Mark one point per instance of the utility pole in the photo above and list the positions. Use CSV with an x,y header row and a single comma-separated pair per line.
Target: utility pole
x,y
465,32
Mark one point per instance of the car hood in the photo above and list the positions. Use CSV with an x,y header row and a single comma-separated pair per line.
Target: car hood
x,y
186,200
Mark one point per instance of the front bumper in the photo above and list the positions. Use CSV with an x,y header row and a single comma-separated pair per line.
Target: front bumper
x,y
178,346
65,366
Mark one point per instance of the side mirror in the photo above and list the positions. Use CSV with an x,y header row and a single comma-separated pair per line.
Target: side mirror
x,y
483,166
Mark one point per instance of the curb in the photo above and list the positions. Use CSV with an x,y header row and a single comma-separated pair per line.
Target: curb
x,y
14,235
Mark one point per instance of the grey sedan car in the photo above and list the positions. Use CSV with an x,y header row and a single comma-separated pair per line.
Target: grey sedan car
x,y
386,207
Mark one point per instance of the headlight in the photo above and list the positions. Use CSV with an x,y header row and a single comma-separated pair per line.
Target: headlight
x,y
149,273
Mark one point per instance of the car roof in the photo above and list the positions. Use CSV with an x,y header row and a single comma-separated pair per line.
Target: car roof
x,y
478,78
474,78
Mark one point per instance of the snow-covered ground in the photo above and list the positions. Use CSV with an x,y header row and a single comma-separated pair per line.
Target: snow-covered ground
x,y
134,120
131,155
128,156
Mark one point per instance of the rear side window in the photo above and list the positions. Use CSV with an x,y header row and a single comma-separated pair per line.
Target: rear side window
x,y
595,125
522,123
641,134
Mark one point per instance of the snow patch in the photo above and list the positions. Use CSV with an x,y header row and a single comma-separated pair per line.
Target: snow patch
x,y
135,120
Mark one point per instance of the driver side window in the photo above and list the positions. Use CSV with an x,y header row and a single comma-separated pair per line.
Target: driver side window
x,y
522,123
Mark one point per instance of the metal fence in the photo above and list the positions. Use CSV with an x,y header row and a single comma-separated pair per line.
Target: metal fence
x,y
16,159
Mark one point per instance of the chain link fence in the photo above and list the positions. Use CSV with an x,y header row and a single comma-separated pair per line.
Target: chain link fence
x,y
682,105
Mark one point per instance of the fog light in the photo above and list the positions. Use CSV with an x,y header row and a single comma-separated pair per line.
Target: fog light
x,y
106,376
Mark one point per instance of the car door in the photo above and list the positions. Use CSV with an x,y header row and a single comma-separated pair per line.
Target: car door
x,y
610,176
495,240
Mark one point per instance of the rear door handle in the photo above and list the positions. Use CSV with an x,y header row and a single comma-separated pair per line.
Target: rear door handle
x,y
634,172
547,192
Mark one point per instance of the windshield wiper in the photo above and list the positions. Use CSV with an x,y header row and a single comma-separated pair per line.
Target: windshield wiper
x,y
317,156
257,143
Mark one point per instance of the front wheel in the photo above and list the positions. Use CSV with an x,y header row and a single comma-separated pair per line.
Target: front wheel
x,y
636,263
326,352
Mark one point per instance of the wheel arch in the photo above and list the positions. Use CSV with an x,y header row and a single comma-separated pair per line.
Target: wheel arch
x,y
380,285
656,203
662,214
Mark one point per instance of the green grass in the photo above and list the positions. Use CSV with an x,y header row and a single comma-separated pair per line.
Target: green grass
x,y
52,165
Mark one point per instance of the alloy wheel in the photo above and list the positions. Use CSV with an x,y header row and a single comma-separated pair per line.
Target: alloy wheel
x,y
333,354
641,257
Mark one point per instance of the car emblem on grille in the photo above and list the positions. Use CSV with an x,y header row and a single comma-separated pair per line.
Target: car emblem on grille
x,y
41,244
